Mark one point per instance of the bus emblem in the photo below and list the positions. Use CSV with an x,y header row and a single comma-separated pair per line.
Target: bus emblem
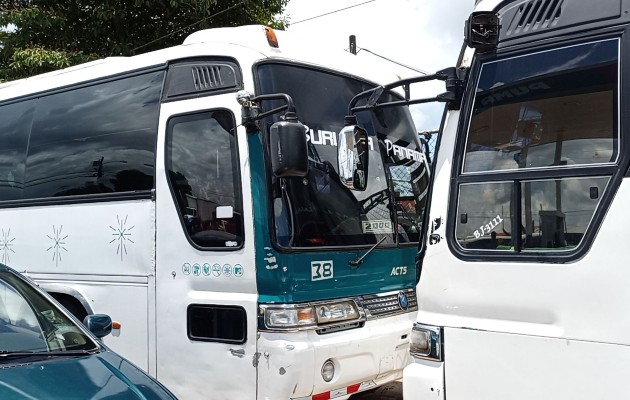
x,y
403,302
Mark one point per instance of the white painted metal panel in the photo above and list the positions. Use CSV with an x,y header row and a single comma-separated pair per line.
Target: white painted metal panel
x,y
492,365
103,252
195,369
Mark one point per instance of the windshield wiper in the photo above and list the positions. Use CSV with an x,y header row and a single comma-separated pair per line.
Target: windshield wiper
x,y
6,355
358,261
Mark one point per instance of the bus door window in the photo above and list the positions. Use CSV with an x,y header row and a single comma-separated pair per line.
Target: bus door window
x,y
484,216
202,167
556,212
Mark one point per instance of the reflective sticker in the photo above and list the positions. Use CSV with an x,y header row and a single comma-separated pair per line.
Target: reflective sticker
x,y
186,268
206,269
378,226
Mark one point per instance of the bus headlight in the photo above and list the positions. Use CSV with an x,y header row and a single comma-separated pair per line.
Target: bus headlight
x,y
426,342
289,318
336,312
310,315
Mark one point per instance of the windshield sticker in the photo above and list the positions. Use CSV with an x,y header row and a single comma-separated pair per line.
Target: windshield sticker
x,y
321,270
487,228
378,226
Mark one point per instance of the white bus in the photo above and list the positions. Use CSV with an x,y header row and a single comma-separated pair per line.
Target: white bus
x,y
523,292
234,259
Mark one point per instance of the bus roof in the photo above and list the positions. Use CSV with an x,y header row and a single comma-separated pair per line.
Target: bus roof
x,y
245,42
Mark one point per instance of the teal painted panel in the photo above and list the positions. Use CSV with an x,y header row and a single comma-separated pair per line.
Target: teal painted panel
x,y
289,277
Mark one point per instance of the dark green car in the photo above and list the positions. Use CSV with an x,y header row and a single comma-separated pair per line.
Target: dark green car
x,y
46,354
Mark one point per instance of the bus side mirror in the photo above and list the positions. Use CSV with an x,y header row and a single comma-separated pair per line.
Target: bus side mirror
x,y
289,151
353,157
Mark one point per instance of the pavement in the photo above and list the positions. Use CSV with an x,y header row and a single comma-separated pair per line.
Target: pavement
x,y
391,391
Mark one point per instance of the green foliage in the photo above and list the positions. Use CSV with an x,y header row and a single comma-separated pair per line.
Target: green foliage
x,y
44,35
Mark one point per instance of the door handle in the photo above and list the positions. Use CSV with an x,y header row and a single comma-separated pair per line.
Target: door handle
x,y
238,352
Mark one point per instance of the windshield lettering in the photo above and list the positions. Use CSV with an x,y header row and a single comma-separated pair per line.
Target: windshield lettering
x,y
328,138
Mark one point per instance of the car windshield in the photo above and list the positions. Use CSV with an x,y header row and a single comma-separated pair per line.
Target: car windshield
x,y
31,323
318,210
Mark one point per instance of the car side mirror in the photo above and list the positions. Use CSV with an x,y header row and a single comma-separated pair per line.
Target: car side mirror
x,y
353,157
289,151
99,324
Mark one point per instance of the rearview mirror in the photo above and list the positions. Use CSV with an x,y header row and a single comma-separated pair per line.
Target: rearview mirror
x,y
289,151
353,157
99,324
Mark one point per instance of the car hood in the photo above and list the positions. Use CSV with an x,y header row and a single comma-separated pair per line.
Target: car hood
x,y
99,376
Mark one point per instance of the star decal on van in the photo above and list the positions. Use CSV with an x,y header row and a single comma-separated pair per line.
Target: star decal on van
x,y
122,235
58,242
6,244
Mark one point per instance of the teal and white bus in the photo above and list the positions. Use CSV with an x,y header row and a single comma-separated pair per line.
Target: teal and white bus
x,y
194,194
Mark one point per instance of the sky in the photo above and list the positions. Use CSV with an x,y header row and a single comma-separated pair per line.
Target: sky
x,y
426,35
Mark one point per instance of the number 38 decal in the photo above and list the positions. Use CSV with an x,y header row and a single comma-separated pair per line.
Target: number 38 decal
x,y
321,270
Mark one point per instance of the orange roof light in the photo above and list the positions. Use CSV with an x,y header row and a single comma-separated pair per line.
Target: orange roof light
x,y
116,325
271,37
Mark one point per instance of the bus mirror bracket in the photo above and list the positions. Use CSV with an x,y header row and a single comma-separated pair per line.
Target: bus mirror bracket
x,y
452,77
287,137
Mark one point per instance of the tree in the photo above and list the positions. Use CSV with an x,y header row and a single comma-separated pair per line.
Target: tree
x,y
44,35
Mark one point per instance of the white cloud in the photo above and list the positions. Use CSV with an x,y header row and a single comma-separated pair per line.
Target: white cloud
x,y
424,34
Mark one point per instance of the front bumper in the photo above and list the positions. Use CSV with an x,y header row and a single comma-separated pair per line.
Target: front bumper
x,y
289,364
423,380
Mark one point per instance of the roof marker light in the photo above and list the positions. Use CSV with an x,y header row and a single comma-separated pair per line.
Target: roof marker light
x,y
271,37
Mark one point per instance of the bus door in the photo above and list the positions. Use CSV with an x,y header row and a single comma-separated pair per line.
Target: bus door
x,y
206,288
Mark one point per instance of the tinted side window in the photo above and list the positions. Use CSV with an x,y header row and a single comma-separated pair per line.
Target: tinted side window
x,y
213,323
554,108
96,139
15,127
202,167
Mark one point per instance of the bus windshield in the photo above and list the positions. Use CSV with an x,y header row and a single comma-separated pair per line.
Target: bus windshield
x,y
318,210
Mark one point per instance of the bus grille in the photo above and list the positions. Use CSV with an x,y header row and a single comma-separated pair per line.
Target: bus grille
x,y
387,304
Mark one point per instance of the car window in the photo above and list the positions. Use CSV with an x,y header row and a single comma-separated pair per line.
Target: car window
x,y
30,322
